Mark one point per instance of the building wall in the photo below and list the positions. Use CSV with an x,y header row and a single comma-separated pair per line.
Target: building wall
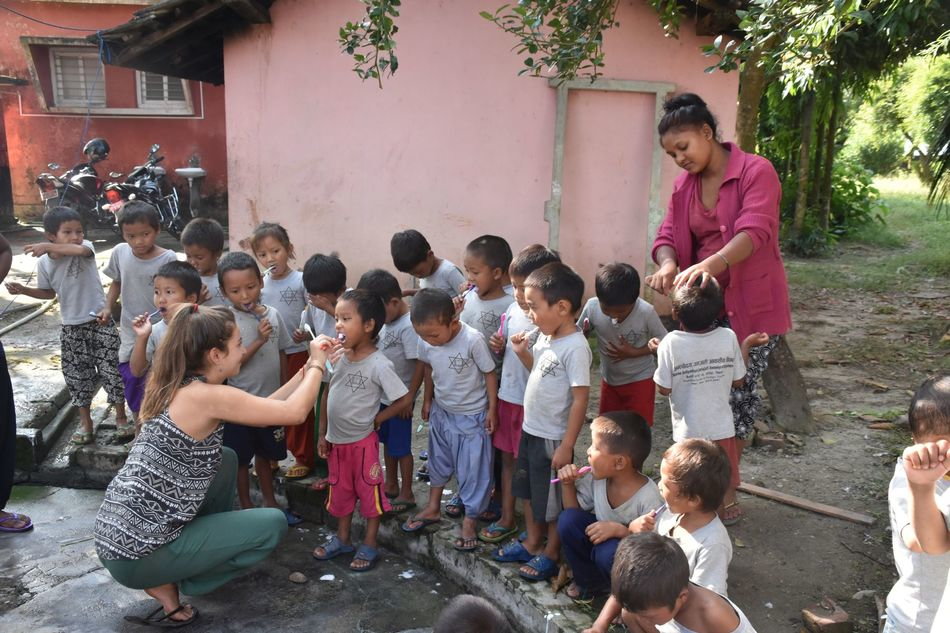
x,y
37,135
455,145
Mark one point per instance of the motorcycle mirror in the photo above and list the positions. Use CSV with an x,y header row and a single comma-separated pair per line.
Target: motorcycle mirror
x,y
155,147
115,174
53,165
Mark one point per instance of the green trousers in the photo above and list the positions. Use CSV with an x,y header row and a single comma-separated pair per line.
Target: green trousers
x,y
217,545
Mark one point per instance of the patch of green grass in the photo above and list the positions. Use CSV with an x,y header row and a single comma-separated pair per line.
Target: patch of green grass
x,y
912,245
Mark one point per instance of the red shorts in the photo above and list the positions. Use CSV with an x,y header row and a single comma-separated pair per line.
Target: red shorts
x,y
731,446
638,397
507,435
355,473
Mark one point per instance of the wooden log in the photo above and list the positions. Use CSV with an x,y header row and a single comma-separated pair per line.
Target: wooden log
x,y
805,504
786,388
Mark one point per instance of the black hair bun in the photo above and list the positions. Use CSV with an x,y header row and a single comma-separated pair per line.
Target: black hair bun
x,y
684,100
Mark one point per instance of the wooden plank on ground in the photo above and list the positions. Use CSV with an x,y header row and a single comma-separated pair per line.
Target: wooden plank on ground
x,y
805,504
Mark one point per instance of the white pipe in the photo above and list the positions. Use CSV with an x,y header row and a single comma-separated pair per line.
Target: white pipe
x,y
32,315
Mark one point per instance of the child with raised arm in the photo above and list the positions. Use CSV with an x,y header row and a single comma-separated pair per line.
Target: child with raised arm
x,y
460,402
623,324
599,506
511,387
361,378
167,523
412,255
694,476
400,343
89,347
284,290
175,282
203,242
132,267
263,368
555,403
652,583
697,367
324,278
919,501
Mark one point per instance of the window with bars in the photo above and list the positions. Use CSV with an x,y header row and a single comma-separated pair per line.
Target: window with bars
x,y
78,77
165,93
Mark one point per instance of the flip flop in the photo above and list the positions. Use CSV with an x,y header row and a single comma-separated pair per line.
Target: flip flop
x,y
166,621
463,544
81,438
320,484
454,508
495,533
292,519
13,516
333,548
544,566
582,596
124,431
513,552
734,519
401,506
492,514
297,471
422,524
365,553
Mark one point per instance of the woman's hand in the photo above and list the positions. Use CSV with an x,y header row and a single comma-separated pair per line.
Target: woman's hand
x,y
697,272
662,280
320,348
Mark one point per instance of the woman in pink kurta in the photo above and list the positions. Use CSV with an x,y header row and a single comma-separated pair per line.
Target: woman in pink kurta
x,y
723,222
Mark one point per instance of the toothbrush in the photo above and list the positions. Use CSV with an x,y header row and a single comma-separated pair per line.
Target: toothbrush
x,y
659,511
252,308
501,327
158,311
580,471
586,326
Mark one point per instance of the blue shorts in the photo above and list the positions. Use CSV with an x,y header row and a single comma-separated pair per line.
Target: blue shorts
x,y
250,441
396,434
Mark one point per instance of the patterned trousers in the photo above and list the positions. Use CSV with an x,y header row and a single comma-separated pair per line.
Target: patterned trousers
x,y
745,400
90,354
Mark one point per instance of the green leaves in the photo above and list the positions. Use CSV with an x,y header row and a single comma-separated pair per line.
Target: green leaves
x,y
373,37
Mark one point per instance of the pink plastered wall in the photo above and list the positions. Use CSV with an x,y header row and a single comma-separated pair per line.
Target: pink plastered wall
x,y
456,144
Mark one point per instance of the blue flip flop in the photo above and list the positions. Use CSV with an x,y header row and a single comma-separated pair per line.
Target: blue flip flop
x,y
333,548
454,508
513,552
544,566
292,519
368,554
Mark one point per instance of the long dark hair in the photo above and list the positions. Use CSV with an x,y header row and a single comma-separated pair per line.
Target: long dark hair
x,y
685,110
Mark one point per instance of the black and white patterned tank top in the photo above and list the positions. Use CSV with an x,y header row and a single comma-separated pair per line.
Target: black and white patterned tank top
x,y
159,489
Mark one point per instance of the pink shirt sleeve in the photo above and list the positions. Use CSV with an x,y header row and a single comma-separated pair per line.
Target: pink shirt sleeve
x,y
760,193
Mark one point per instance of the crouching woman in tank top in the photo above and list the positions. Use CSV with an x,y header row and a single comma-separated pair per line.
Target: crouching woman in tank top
x,y
167,523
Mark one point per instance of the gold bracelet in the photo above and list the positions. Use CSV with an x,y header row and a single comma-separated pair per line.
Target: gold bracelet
x,y
723,258
314,366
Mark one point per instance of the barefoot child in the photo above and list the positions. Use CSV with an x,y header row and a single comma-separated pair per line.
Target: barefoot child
x,y
697,367
461,411
360,379
175,282
263,368
132,267
167,523
623,324
651,581
412,255
400,343
284,289
555,403
694,476
511,387
923,561
324,278
89,347
599,507
203,243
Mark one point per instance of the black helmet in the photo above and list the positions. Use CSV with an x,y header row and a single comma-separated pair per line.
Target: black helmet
x,y
96,149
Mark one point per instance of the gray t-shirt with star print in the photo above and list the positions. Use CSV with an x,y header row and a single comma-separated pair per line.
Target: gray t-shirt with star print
x,y
642,324
75,280
260,375
560,364
289,297
400,343
458,371
356,390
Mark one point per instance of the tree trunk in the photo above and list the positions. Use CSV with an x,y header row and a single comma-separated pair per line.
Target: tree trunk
x,y
824,198
786,388
751,87
804,153
814,191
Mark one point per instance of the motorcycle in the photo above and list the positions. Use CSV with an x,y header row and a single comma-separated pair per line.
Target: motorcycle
x,y
79,188
147,182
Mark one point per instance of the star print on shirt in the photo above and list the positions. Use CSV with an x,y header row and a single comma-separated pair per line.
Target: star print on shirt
x,y
290,296
356,381
549,367
391,340
74,267
458,363
489,321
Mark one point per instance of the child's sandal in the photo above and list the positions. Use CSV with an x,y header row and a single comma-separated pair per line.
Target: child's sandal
x,y
81,438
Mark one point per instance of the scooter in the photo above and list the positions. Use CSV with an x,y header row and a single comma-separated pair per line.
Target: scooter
x,y
79,188
147,183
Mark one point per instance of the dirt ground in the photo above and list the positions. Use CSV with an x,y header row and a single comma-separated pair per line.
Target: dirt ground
x,y
862,354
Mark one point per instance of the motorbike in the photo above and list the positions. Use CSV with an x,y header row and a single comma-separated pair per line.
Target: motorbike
x,y
79,188
147,182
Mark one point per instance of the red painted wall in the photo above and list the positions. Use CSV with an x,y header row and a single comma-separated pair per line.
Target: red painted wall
x,y
36,136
